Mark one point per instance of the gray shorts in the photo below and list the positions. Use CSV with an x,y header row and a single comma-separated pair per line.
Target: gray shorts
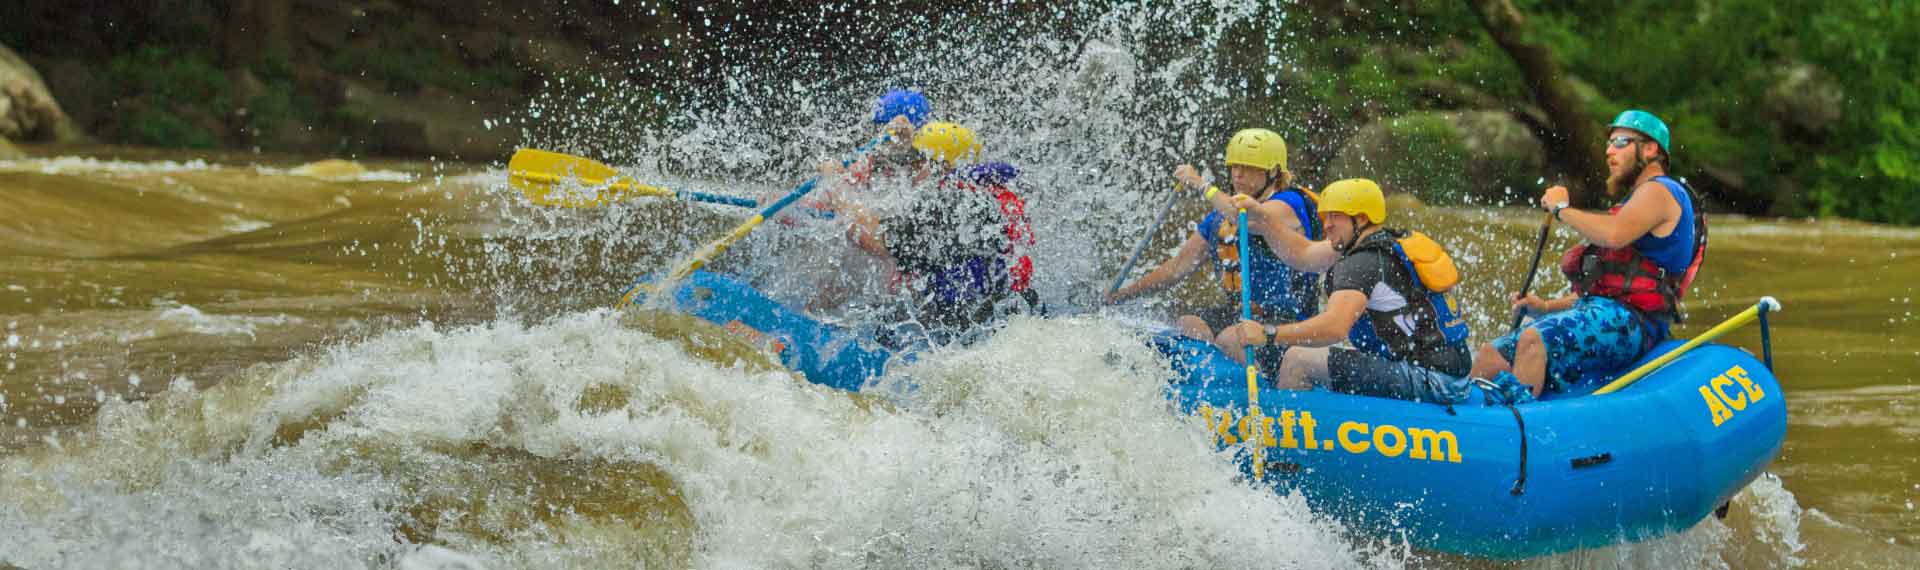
x,y
1368,374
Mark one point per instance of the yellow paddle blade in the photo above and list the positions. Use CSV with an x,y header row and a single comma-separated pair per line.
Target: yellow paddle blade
x,y
555,179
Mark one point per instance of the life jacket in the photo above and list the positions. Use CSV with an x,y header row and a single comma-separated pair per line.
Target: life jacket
x,y
1431,312
1276,286
1631,275
996,179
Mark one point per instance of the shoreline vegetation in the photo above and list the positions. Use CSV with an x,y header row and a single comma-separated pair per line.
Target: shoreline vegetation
x,y
1796,109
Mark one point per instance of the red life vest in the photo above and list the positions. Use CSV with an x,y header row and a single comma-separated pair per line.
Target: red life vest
x,y
1630,277
1019,231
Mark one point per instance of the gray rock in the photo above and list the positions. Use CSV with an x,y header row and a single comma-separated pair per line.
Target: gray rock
x,y
432,122
28,111
1804,100
1451,157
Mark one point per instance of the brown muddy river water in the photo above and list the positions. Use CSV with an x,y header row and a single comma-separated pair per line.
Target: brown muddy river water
x,y
247,361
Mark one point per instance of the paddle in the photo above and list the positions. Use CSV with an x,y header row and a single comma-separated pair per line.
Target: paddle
x,y
1142,246
1539,247
1766,305
539,173
1527,285
705,254
1257,435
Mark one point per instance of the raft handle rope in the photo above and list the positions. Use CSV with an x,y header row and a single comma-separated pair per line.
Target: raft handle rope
x,y
1520,484
1492,394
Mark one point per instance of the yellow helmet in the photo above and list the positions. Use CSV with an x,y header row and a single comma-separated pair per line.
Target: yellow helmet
x,y
947,142
1258,148
1353,197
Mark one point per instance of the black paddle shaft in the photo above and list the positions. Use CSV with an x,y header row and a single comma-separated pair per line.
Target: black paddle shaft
x,y
1527,285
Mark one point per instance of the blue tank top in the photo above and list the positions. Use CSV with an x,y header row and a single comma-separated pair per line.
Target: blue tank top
x,y
1674,252
1277,288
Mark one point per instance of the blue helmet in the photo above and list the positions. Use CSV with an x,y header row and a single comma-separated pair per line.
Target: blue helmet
x,y
899,102
1646,124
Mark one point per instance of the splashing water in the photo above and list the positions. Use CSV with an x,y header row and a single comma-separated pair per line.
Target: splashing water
x,y
582,441
542,432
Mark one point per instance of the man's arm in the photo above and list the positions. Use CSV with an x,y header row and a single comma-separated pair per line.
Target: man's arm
x,y
863,229
1325,329
1651,207
1285,239
1192,254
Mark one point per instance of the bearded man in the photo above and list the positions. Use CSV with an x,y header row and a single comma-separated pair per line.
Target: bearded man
x,y
1636,261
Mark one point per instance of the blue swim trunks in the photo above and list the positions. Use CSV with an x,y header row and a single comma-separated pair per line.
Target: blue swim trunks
x,y
1589,343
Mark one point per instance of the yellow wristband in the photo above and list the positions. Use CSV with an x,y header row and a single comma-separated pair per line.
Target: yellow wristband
x,y
1211,190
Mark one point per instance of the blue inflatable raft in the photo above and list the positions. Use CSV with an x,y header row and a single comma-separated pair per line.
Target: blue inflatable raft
x,y
1488,481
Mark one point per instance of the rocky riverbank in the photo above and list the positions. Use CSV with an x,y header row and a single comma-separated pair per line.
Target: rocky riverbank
x,y
1455,101
419,78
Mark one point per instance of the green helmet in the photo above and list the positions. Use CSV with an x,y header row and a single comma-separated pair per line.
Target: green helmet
x,y
1646,124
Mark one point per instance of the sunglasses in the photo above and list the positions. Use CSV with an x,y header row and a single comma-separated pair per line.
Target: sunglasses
x,y
1623,140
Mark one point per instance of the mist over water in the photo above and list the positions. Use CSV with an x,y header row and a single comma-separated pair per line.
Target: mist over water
x,y
413,367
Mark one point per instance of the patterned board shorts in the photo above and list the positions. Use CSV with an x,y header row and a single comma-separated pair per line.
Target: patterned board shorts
x,y
1587,344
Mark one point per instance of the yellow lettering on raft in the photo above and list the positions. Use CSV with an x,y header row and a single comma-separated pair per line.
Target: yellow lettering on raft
x,y
1380,444
1306,424
1720,385
1348,443
1754,393
1287,441
1714,406
1422,438
1266,432
1220,421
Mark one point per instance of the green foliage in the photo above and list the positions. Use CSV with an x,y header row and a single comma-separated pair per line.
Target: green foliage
x,y
165,88
398,69
414,56
1872,47
1429,155
178,98
156,127
1706,66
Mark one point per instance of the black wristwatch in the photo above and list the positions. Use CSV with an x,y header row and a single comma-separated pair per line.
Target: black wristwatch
x,y
1556,212
1270,329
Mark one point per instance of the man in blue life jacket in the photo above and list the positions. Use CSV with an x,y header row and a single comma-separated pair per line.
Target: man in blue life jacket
x,y
957,234
1635,262
836,276
1387,296
1257,161
898,113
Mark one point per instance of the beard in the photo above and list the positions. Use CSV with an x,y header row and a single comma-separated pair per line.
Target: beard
x,y
1618,184
1341,244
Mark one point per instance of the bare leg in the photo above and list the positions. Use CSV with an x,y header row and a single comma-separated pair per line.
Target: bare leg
x,y
1301,366
1193,327
1488,362
1530,360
